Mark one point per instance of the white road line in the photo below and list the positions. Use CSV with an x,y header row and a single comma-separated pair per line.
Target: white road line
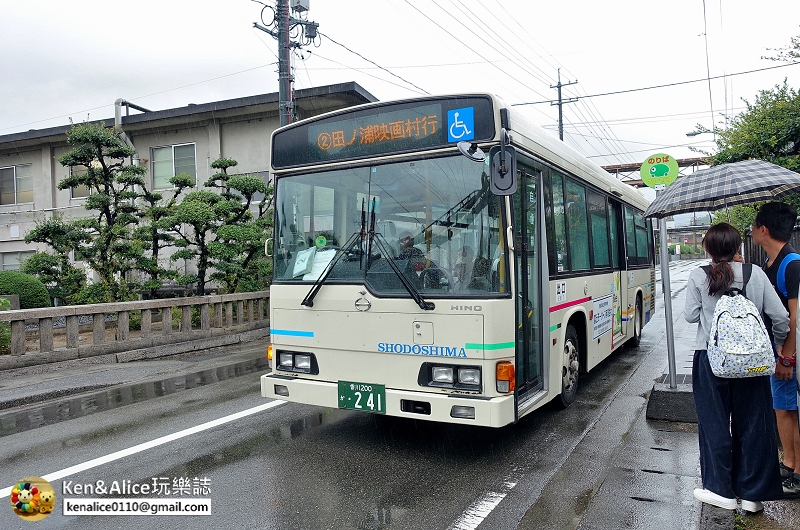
x,y
5,492
482,507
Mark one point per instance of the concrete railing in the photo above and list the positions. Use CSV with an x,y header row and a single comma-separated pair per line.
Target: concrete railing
x,y
252,321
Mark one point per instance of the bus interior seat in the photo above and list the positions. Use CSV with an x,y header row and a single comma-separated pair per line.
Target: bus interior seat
x,y
480,274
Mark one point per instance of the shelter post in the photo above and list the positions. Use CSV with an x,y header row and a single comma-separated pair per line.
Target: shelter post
x,y
667,291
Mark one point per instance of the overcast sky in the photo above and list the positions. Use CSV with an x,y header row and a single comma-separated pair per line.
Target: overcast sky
x,y
72,59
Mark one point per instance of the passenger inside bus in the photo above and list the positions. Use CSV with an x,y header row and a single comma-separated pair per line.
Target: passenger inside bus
x,y
408,250
423,272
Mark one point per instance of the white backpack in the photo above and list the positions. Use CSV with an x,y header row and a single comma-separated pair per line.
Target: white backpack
x,y
739,345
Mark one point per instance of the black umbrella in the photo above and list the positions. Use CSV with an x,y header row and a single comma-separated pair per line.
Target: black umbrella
x,y
725,185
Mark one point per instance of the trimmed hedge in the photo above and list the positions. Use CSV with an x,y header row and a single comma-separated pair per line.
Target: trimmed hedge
x,y
31,291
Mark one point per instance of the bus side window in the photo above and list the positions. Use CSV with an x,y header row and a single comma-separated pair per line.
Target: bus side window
x,y
599,225
562,263
630,237
616,235
577,226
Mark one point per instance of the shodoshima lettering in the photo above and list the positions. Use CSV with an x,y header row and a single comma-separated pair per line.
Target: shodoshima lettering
x,y
416,349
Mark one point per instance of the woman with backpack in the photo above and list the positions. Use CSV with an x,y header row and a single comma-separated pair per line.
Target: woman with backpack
x,y
735,419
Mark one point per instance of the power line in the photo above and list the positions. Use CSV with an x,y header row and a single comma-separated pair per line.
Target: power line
x,y
708,69
410,66
373,62
662,86
474,19
590,108
464,44
648,119
638,151
361,70
645,143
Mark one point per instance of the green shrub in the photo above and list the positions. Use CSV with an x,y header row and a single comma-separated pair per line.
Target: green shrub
x,y
95,293
5,328
31,291
135,320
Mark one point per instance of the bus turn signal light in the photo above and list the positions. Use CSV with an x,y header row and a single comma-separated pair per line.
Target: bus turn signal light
x,y
505,376
269,352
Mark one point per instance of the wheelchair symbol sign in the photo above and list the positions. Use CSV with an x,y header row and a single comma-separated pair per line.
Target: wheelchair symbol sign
x,y
460,124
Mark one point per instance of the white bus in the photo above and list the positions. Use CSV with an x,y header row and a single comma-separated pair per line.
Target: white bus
x,y
446,259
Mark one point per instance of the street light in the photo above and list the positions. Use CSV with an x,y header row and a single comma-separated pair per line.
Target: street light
x,y
695,133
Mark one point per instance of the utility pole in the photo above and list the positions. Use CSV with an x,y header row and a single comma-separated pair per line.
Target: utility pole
x,y
562,102
280,28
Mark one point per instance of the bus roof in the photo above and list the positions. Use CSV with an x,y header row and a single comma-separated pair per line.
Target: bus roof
x,y
560,154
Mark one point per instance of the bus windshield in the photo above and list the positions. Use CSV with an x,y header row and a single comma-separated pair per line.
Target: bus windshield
x,y
435,218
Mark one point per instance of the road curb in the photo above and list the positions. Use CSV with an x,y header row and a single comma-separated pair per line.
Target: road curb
x,y
69,403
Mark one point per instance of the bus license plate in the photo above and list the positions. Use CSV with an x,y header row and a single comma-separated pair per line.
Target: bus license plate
x,y
362,396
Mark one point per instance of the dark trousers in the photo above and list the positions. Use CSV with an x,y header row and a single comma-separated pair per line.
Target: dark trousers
x,y
738,446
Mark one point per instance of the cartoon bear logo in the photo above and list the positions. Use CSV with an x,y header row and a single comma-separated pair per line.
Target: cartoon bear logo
x,y
32,498
47,500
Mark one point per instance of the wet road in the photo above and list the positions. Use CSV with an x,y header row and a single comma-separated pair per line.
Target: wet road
x,y
288,466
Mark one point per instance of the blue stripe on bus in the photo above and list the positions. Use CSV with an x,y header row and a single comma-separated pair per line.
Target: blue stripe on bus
x,y
291,332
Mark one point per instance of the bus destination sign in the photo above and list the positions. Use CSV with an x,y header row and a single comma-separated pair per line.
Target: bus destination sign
x,y
384,129
411,128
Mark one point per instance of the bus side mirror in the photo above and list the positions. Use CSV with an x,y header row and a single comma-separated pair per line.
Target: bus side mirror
x,y
503,178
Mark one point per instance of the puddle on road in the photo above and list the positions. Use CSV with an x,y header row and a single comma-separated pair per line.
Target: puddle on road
x,y
35,416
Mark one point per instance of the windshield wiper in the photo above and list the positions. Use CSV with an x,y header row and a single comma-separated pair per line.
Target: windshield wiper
x,y
373,237
362,233
309,299
415,294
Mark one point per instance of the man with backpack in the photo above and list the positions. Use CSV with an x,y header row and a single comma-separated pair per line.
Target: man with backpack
x,y
772,230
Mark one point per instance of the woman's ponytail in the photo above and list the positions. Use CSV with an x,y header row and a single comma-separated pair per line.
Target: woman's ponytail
x,y
722,242
720,278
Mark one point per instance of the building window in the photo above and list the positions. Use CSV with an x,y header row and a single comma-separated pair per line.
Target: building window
x,y
16,185
11,261
170,161
81,191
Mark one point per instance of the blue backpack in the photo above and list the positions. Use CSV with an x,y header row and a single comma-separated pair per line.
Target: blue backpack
x,y
788,258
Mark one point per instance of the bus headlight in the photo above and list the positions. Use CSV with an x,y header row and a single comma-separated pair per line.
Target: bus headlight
x,y
455,376
286,361
298,362
443,374
302,362
469,376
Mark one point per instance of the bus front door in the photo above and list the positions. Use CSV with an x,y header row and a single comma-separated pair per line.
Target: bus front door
x,y
525,216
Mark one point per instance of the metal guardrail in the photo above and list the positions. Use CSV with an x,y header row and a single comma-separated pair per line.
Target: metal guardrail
x,y
251,310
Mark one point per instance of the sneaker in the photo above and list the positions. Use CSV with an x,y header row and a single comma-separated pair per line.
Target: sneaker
x,y
752,506
785,472
709,497
791,487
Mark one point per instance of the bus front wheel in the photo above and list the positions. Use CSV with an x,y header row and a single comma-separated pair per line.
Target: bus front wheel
x,y
571,367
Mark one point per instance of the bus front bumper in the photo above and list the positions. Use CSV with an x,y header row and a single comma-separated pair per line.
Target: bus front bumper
x,y
488,412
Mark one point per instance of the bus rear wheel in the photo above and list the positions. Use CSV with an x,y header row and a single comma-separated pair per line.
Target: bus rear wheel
x,y
571,367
